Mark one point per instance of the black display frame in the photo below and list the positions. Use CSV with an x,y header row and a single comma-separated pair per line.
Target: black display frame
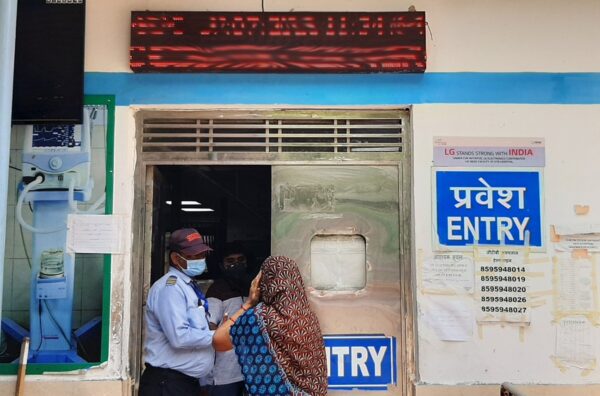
x,y
48,85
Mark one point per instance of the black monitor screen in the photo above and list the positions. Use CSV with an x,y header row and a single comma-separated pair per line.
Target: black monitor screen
x,y
49,54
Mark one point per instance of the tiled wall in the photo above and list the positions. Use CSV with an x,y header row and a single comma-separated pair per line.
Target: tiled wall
x,y
87,300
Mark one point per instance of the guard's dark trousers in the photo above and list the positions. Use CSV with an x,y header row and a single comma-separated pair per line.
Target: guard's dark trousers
x,y
158,381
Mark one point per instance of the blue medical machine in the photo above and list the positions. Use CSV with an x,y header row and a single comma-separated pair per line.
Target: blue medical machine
x,y
56,175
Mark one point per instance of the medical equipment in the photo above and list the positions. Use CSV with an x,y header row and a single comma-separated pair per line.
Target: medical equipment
x,y
56,175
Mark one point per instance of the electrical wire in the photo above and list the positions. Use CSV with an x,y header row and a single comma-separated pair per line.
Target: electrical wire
x,y
262,4
15,168
429,28
40,323
24,247
62,332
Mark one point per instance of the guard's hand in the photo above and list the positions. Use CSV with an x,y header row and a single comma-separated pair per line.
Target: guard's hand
x,y
223,320
254,294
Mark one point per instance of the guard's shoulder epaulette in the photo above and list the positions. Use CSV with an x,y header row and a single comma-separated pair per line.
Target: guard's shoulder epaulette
x,y
171,280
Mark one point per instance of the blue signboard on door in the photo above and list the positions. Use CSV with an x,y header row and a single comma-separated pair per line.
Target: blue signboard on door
x,y
366,362
488,207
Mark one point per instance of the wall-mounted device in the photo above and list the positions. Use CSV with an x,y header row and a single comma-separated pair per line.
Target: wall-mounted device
x,y
61,153
49,62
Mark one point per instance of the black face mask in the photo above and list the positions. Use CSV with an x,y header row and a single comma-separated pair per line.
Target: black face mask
x,y
238,278
237,272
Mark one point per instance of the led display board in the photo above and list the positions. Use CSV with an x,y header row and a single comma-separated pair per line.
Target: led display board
x,y
335,42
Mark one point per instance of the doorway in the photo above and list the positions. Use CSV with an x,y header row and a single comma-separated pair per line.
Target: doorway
x,y
329,188
224,203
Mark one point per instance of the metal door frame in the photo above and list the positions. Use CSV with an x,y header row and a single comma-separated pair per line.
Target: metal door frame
x,y
142,223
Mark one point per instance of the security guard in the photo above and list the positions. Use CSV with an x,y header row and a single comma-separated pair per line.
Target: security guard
x,y
178,345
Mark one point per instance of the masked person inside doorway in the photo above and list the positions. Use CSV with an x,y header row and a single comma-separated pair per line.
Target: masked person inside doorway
x,y
178,344
278,343
226,296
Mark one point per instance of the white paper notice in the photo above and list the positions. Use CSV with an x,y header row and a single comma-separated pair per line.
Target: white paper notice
x,y
451,319
568,243
574,342
94,234
577,229
580,236
451,272
502,282
575,287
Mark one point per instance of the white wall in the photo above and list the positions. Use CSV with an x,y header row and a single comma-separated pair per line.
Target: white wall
x,y
468,35
501,354
124,166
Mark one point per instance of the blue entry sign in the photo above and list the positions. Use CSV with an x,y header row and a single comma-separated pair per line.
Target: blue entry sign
x,y
366,362
487,207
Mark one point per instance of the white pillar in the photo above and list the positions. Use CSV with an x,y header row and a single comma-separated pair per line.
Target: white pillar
x,y
8,23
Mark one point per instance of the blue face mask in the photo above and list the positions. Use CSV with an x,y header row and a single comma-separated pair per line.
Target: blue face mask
x,y
194,267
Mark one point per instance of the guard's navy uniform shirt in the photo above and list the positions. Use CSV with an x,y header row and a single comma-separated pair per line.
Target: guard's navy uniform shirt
x,y
177,333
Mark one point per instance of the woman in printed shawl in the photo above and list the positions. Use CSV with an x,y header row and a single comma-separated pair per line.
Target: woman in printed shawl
x,y
278,342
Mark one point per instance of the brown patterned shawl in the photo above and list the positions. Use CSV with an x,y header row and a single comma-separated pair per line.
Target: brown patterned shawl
x,y
293,328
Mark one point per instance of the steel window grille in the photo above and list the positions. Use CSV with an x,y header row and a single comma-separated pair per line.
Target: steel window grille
x,y
275,131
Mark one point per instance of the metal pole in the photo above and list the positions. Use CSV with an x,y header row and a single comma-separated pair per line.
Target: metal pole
x,y
8,25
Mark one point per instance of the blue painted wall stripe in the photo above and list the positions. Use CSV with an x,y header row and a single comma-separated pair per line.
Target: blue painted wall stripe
x,y
347,89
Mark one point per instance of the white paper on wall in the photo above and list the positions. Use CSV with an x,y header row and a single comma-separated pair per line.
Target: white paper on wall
x,y
449,272
582,236
502,283
574,342
575,285
589,242
452,319
574,229
94,234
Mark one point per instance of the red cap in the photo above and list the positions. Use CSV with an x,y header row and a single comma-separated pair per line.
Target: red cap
x,y
187,241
